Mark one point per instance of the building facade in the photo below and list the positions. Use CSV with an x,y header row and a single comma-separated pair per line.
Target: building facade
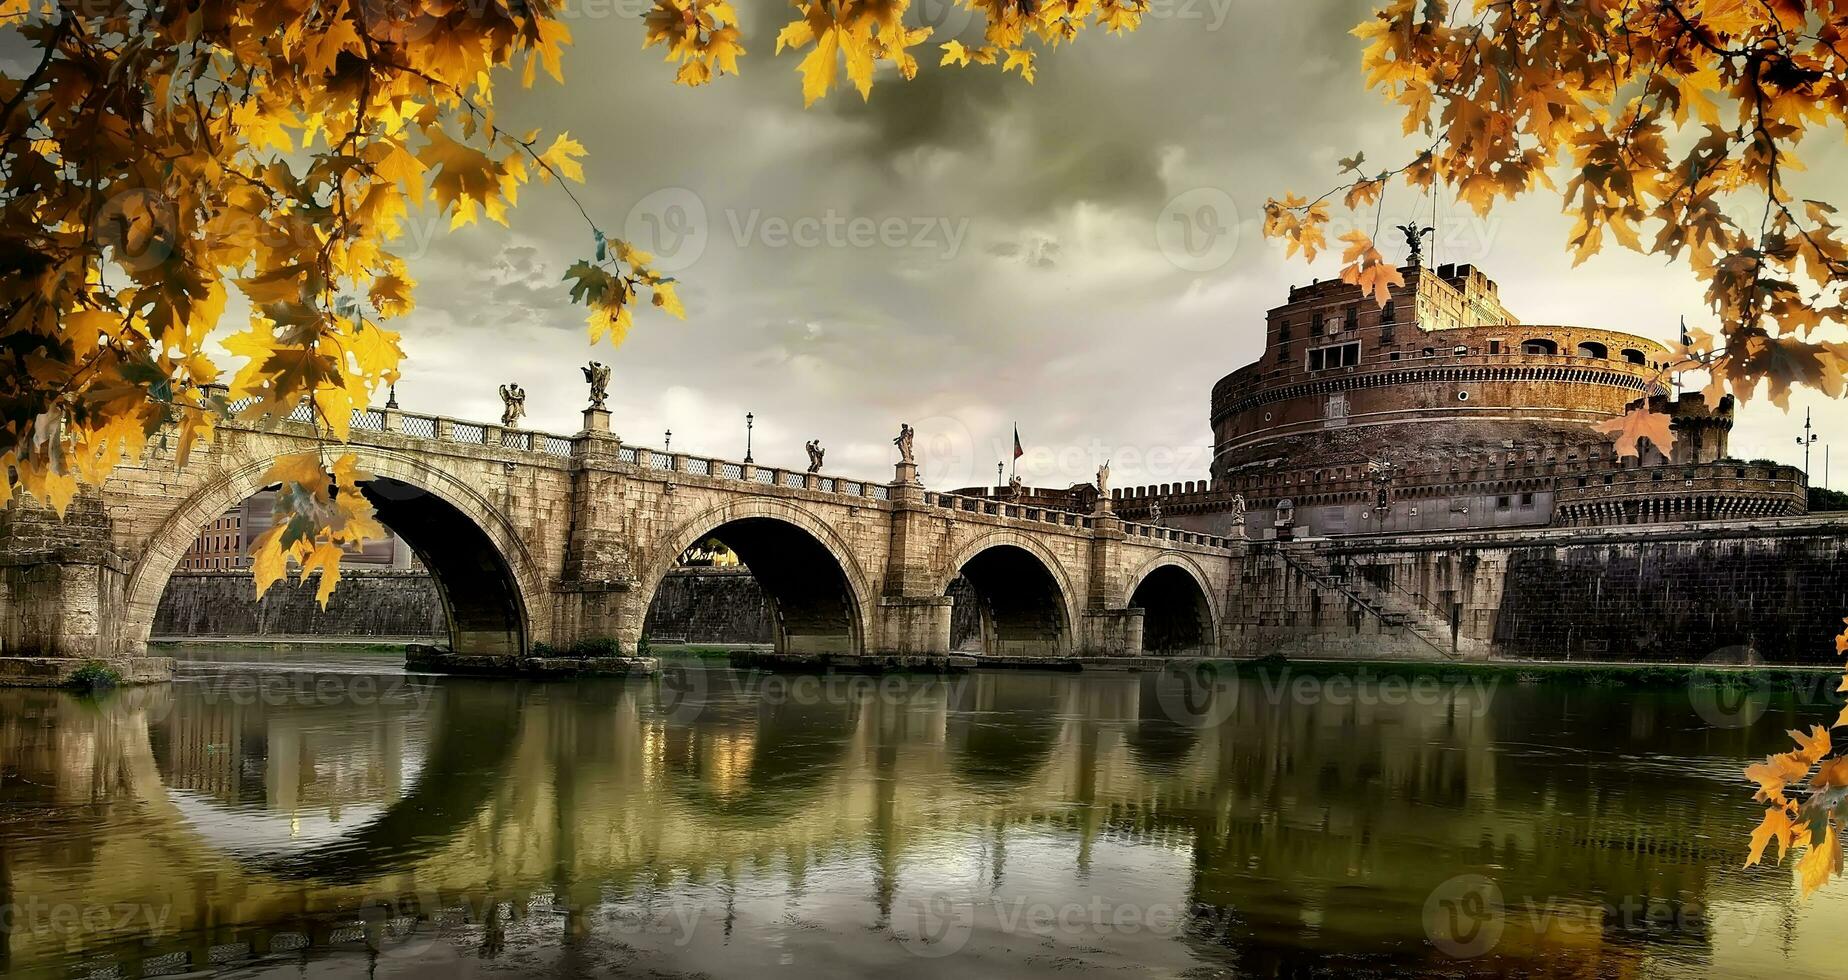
x,y
224,543
1441,410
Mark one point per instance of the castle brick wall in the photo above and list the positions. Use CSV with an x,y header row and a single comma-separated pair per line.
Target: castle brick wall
x,y
1670,593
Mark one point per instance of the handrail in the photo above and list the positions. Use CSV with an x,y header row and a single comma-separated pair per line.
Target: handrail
x,y
1341,585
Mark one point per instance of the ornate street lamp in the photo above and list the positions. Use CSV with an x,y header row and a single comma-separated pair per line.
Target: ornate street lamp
x,y
749,421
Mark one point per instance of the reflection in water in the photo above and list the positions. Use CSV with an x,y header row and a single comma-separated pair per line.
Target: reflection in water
x,y
1001,824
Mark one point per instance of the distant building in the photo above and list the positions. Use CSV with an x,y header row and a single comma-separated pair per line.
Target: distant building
x,y
225,542
1441,410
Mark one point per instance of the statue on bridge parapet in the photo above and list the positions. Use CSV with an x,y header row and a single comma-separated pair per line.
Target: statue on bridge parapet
x,y
815,454
906,438
513,402
1103,489
1015,487
907,470
597,374
1155,512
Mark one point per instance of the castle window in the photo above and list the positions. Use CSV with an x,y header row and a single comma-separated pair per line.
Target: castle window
x,y
1340,355
1315,326
1501,503
1395,355
1353,317
1539,345
1283,331
1527,501
1634,356
1460,351
1494,346
1591,349
1389,315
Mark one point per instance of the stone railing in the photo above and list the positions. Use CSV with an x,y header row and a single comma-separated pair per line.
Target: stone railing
x,y
1174,535
713,468
437,428
1002,508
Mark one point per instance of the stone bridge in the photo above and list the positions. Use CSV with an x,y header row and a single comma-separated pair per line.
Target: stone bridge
x,y
536,538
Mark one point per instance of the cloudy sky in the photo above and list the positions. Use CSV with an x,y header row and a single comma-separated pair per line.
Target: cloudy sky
x,y
984,252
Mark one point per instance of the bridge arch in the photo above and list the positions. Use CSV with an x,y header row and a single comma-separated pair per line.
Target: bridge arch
x,y
817,591
1180,612
1024,594
488,580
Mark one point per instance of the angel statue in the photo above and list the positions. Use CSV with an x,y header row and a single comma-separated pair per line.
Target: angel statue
x,y
904,443
1155,512
1414,239
598,374
815,455
1103,480
1238,509
513,400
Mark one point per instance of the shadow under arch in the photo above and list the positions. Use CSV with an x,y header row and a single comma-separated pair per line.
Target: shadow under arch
x,y
1023,596
1179,615
479,725
817,593
489,583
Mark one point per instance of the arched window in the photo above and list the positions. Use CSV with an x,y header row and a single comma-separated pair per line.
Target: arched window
x,y
1593,349
1634,356
1539,345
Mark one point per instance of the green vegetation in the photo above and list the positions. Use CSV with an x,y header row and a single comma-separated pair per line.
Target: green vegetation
x,y
1756,677
1822,498
93,677
601,646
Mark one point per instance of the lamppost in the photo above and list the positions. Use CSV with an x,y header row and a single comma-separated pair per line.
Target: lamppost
x,y
997,474
749,421
1806,440
667,441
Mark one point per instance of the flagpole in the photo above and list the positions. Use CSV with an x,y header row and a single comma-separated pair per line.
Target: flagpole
x,y
1013,463
1686,342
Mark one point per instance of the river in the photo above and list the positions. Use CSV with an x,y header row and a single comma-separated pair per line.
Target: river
x,y
309,813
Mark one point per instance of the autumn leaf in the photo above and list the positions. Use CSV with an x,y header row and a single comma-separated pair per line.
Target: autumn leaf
x,y
1366,268
1639,423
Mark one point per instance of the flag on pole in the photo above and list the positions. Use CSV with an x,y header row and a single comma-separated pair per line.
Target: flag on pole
x,y
1687,339
1018,452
